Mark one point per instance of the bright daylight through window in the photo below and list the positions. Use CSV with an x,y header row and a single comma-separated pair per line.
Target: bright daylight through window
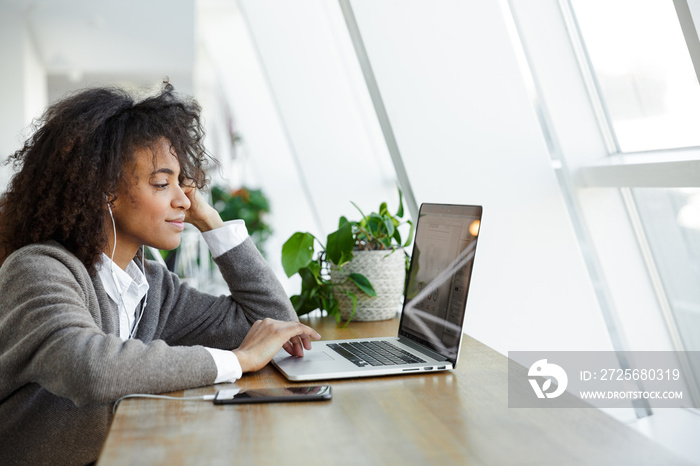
x,y
649,88
671,220
644,72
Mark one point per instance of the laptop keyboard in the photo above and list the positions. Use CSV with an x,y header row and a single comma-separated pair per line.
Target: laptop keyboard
x,y
373,353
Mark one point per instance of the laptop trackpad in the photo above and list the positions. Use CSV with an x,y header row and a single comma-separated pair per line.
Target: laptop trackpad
x,y
317,356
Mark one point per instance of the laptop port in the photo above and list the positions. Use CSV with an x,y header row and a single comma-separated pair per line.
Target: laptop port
x,y
442,367
428,368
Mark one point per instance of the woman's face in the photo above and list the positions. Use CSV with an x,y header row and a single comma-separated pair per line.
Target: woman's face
x,y
150,207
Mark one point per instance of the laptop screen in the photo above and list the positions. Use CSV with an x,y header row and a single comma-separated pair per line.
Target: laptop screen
x,y
439,275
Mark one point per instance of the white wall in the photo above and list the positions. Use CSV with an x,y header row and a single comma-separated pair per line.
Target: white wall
x,y
234,94
23,87
310,138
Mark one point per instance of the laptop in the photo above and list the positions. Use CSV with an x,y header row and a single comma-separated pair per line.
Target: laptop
x,y
432,318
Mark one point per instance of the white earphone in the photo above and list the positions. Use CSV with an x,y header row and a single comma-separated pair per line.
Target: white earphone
x,y
120,304
114,248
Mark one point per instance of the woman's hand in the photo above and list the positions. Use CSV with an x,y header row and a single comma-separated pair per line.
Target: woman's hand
x,y
267,336
200,214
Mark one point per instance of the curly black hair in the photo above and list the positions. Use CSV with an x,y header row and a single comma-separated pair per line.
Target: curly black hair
x,y
77,157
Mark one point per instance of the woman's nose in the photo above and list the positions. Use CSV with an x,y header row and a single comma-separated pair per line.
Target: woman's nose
x,y
181,201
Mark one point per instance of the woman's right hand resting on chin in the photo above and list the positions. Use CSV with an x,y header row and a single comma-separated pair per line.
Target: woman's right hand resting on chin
x,y
267,336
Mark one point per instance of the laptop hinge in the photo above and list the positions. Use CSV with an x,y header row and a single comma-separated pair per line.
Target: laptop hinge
x,y
422,349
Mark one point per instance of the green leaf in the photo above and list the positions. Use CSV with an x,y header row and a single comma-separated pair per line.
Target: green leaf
x,y
387,243
308,300
310,276
297,252
353,298
383,210
410,234
362,283
340,243
397,236
399,213
304,302
374,224
389,224
360,210
330,304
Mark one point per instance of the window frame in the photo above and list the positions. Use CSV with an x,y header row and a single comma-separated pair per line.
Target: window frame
x,y
595,174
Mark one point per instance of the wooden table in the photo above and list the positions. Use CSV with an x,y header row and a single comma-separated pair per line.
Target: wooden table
x,y
457,417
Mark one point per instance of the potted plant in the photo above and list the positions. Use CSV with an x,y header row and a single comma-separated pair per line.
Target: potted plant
x,y
249,205
360,271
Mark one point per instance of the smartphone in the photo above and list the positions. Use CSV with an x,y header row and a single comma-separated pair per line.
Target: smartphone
x,y
272,395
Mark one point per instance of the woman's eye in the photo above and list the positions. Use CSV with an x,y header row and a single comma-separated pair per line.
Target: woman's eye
x,y
161,186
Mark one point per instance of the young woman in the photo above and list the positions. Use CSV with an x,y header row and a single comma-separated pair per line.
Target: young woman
x,y
84,319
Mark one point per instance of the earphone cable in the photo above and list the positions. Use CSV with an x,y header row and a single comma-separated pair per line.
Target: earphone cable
x,y
120,304
162,397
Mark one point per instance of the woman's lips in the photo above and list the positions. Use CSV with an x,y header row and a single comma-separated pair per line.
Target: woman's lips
x,y
179,224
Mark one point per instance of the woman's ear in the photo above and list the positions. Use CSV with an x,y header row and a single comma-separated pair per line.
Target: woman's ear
x,y
109,198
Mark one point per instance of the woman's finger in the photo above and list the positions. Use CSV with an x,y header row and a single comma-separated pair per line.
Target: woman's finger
x,y
297,346
289,348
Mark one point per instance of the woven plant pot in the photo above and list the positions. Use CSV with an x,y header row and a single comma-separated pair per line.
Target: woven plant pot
x,y
386,272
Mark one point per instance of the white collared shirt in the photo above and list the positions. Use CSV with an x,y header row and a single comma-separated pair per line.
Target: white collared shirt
x,y
127,288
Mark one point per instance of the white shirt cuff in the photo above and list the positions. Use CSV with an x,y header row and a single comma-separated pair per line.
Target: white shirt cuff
x,y
228,369
225,238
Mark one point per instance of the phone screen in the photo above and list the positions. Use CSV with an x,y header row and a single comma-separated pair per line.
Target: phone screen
x,y
271,395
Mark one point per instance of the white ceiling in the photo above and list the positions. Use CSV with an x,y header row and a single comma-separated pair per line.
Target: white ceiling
x,y
133,42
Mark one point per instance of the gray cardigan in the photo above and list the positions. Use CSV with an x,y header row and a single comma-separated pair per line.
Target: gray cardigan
x,y
62,363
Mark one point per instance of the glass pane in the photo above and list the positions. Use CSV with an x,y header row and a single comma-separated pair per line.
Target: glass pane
x,y
646,77
671,220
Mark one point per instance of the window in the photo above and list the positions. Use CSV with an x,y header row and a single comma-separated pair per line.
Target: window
x,y
644,72
671,221
645,80
647,84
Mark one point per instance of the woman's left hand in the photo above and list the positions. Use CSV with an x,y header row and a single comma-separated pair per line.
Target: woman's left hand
x,y
200,214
